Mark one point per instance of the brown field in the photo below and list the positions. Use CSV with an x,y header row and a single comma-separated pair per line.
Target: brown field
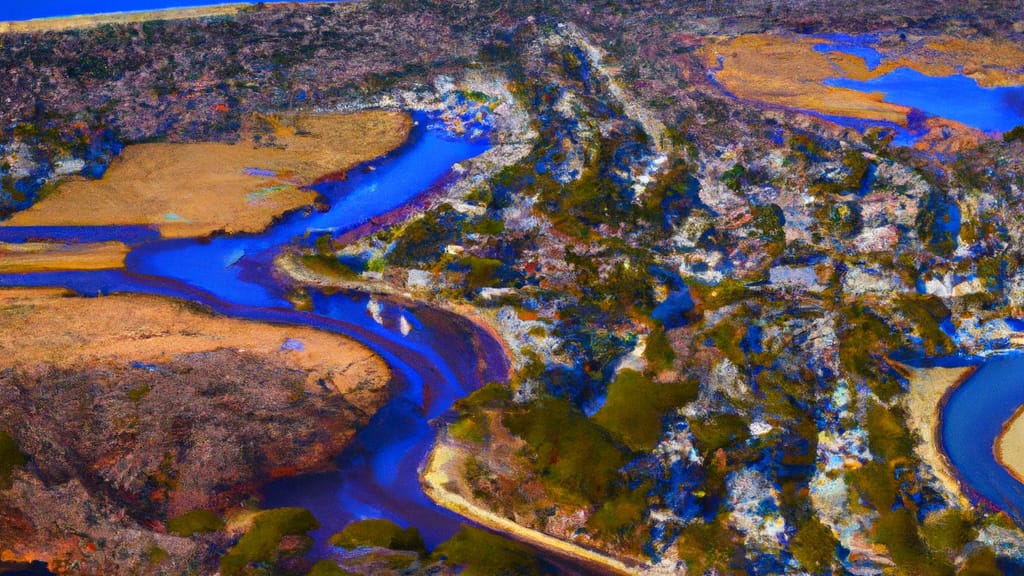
x,y
196,189
49,327
788,71
50,257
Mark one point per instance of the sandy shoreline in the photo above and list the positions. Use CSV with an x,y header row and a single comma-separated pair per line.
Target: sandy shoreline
x,y
436,476
58,23
929,389
1009,445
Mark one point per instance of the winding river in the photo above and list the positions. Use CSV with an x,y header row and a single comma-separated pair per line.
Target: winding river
x,y
971,421
438,358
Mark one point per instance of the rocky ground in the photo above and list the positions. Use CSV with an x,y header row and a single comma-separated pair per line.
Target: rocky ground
x,y
119,440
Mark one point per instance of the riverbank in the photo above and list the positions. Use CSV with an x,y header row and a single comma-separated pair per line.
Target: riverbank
x,y
196,189
60,23
47,328
440,472
929,389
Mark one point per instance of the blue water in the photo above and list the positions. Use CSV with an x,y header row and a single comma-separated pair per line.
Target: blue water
x,y
854,45
377,475
955,97
970,422
236,267
22,10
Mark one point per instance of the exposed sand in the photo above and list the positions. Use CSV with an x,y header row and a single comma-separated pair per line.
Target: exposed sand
x,y
788,71
50,327
441,474
1009,445
928,388
196,189
49,257
92,20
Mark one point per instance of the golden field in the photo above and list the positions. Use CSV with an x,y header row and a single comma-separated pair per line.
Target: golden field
x,y
188,190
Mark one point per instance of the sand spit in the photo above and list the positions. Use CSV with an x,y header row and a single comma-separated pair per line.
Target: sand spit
x,y
928,389
92,20
189,190
52,328
441,472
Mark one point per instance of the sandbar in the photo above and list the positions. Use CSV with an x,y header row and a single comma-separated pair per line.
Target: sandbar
x,y
928,389
54,257
46,328
59,23
196,189
1009,445
441,472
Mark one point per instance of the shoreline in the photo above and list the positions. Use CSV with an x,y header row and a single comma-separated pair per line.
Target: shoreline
x,y
433,478
997,446
930,390
79,21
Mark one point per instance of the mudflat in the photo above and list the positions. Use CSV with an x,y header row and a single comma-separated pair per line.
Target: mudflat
x,y
194,189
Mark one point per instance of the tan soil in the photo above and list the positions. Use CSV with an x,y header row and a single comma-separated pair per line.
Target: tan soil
x,y
49,257
49,327
196,189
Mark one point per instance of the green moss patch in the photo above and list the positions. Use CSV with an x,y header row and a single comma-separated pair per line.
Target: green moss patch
x,y
381,534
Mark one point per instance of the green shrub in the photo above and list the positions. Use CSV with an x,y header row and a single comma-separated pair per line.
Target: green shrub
x,y
897,531
327,568
982,562
888,435
658,352
634,407
483,272
195,522
709,546
948,531
11,458
482,553
619,517
875,483
260,543
814,546
576,458
719,431
1017,133
137,393
863,341
380,533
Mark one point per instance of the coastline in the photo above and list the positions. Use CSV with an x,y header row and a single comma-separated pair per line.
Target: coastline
x,y
76,22
930,389
1012,431
433,479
